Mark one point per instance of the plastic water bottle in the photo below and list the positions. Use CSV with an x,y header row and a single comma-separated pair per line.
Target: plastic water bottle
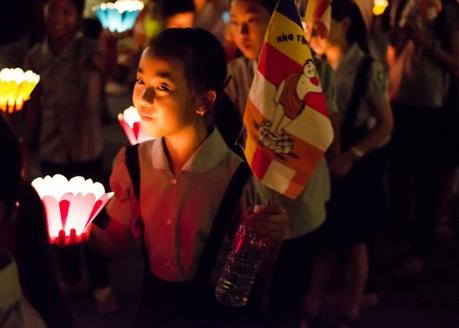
x,y
241,267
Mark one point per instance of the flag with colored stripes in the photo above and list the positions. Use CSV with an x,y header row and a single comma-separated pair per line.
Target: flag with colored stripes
x,y
286,118
318,16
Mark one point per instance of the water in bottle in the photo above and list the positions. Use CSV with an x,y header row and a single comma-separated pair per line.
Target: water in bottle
x,y
241,267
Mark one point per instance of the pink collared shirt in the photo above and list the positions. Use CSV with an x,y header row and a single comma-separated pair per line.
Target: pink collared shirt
x,y
177,210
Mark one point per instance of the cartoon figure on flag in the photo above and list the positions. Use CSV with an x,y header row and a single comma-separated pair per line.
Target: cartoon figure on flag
x,y
286,117
295,92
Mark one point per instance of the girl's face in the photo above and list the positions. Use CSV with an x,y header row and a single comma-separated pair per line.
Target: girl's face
x,y
180,20
248,22
335,37
162,96
61,19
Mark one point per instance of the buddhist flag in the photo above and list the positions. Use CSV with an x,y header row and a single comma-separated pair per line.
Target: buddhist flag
x,y
318,16
286,118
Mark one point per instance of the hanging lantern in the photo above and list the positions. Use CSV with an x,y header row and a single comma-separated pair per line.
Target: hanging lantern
x,y
379,6
15,88
130,122
118,16
71,206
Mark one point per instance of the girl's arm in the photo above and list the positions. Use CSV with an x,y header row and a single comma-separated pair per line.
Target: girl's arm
x,y
434,49
377,100
111,241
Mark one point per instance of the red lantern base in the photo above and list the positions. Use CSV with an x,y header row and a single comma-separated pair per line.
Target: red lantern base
x,y
72,239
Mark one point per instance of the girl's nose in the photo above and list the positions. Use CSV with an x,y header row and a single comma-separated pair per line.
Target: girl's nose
x,y
245,28
148,95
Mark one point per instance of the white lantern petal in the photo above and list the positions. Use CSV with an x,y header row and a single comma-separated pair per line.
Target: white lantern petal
x,y
53,215
70,204
79,211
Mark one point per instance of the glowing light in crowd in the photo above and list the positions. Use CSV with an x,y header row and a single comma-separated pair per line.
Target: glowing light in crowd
x,y
130,122
71,206
15,88
379,6
118,16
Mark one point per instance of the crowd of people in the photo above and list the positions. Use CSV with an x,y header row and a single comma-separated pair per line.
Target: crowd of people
x,y
383,190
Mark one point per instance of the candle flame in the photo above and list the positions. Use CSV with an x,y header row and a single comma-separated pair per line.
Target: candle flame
x,y
379,6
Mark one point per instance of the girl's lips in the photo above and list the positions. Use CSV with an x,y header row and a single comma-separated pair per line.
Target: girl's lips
x,y
146,118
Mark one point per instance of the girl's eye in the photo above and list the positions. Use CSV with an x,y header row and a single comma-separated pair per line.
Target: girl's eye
x,y
139,81
164,87
234,24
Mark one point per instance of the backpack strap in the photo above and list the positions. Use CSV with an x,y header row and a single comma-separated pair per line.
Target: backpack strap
x,y
133,167
222,222
358,91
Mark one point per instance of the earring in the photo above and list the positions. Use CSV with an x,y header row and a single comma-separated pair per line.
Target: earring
x,y
200,111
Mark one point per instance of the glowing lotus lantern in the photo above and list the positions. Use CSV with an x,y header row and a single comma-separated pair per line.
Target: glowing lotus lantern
x,y
71,206
379,6
130,122
118,16
15,88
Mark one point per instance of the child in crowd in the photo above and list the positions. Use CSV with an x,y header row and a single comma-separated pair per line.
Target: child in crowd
x,y
65,112
248,24
209,16
423,69
176,13
356,208
181,194
25,268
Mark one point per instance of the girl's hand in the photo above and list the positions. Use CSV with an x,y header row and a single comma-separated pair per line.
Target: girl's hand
x,y
269,221
418,35
342,164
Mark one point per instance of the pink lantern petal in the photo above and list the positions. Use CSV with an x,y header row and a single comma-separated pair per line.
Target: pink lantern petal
x,y
128,131
53,215
64,209
136,130
69,215
95,210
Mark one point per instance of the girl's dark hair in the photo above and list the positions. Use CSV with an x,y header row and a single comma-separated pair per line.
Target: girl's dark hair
x,y
10,163
168,8
357,32
79,5
270,5
200,53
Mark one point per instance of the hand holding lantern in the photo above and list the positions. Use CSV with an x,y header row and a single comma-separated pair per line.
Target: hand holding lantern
x,y
15,88
71,206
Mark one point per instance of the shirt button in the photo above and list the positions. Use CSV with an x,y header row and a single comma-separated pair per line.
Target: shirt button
x,y
174,180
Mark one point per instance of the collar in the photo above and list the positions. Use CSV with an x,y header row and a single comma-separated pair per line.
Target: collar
x,y
65,54
209,154
350,60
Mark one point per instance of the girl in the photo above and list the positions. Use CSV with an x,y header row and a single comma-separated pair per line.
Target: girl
x,y
356,204
178,193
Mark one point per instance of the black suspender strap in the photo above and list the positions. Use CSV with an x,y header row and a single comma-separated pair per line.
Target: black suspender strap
x,y
353,106
222,220
222,223
133,166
